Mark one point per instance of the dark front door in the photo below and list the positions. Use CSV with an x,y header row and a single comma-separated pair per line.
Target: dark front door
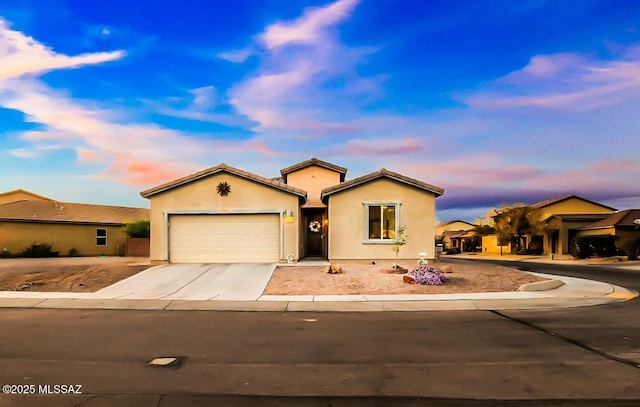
x,y
314,234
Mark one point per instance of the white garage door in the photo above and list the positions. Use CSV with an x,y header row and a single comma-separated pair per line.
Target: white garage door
x,y
224,238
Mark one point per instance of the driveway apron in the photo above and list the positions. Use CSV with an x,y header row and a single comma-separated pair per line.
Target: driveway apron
x,y
231,282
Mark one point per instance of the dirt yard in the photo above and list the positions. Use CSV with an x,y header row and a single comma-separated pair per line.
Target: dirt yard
x,y
70,274
358,278
88,274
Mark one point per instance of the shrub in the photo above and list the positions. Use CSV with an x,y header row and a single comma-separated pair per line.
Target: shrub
x,y
428,275
140,228
73,252
630,245
453,250
38,250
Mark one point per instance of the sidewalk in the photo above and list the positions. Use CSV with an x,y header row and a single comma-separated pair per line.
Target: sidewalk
x,y
568,292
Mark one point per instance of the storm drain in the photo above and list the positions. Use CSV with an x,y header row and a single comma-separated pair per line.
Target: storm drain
x,y
166,361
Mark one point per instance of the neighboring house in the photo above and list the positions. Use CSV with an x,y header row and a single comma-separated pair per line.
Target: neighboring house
x,y
622,224
453,234
563,217
19,195
226,215
88,229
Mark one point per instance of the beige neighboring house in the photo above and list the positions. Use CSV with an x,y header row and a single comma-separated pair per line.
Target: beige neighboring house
x,y
453,234
563,216
227,215
91,230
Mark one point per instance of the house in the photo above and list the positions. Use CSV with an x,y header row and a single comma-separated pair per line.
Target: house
x,y
227,215
562,217
84,229
454,234
624,225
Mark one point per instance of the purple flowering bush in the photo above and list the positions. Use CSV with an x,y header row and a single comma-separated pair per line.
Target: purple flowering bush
x,y
428,275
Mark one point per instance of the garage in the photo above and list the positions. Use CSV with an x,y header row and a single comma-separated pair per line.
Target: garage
x,y
224,238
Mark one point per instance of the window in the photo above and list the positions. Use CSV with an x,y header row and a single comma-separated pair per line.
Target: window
x,y
381,221
101,237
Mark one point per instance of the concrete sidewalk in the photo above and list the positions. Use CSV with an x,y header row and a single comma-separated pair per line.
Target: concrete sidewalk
x,y
575,292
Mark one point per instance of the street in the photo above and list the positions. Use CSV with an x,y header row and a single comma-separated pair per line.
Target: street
x,y
585,356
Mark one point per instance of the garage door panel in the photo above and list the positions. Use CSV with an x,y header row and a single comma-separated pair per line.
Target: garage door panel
x,y
224,238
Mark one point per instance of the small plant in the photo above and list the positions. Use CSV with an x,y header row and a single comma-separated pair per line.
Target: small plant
x,y
401,240
139,228
630,245
427,275
39,250
73,252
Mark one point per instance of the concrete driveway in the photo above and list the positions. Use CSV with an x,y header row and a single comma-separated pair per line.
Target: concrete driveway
x,y
233,282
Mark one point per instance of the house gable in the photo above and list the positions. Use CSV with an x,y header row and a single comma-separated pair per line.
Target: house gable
x,y
570,204
313,179
20,195
285,172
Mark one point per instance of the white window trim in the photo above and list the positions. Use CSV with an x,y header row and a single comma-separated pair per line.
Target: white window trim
x,y
365,207
99,237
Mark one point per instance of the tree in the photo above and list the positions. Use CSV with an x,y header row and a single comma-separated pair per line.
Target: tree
x,y
514,223
401,240
139,228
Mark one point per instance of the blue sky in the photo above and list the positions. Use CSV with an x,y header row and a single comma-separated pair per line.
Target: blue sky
x,y
495,101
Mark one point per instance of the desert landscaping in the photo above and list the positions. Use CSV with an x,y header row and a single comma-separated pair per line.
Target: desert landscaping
x,y
89,274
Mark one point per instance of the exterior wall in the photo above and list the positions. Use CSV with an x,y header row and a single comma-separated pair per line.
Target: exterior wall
x,y
201,195
19,196
490,245
313,179
453,226
16,236
597,232
572,206
347,221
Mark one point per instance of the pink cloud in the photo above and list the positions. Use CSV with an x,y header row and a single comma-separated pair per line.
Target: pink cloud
x,y
377,147
86,154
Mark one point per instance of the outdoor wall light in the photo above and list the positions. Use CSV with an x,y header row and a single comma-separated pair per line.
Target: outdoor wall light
x,y
288,216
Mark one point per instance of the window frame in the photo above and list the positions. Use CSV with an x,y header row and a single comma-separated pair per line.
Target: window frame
x,y
366,205
98,236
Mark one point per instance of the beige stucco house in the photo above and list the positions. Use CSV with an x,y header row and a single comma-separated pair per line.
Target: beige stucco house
x,y
562,218
226,215
454,234
90,230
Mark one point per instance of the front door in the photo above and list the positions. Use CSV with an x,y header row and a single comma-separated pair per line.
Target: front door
x,y
314,234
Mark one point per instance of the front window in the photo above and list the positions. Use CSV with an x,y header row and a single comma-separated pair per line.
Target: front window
x,y
381,221
101,237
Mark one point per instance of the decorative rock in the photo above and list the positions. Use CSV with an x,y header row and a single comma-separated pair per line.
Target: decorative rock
x,y
333,269
445,269
409,279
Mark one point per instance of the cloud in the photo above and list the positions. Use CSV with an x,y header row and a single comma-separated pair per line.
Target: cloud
x,y
377,147
307,80
22,55
310,27
565,81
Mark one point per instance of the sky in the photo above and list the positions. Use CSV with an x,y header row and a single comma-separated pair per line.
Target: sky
x,y
494,101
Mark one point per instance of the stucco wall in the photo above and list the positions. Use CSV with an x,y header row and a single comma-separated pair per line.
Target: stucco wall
x,y
16,236
572,206
490,245
347,221
313,179
14,196
201,195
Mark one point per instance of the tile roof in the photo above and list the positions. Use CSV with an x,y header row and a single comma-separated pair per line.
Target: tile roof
x,y
314,161
624,218
223,168
548,202
439,225
67,212
382,173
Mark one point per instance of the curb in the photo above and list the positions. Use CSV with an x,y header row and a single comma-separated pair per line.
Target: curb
x,y
541,285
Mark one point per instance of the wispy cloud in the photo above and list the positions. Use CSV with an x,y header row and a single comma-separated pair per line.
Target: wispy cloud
x,y
565,81
307,81
22,55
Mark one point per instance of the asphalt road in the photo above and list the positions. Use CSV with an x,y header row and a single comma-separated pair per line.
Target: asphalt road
x,y
572,357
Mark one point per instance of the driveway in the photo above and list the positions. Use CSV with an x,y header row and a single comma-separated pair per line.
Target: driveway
x,y
233,282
